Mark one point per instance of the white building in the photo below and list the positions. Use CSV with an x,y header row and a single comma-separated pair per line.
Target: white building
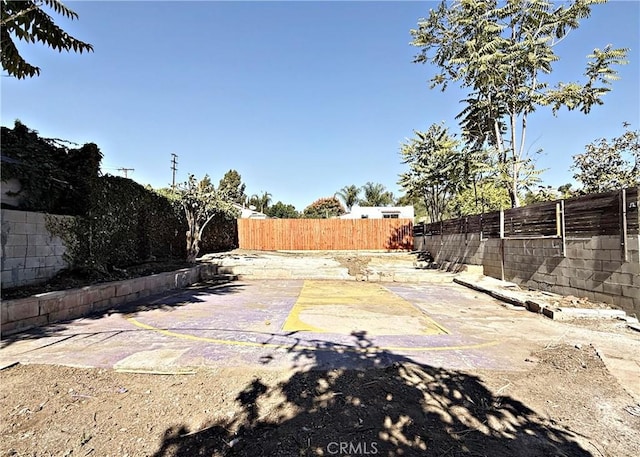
x,y
380,212
248,213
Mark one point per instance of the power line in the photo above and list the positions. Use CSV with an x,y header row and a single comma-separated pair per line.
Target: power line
x,y
174,168
126,171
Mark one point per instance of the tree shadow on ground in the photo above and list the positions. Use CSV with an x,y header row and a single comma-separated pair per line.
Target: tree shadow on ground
x,y
167,300
364,400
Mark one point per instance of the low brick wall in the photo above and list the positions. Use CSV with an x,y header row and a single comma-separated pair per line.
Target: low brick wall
x,y
30,254
42,309
593,267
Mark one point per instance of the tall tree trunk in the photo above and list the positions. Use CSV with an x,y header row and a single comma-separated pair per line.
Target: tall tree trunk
x,y
515,170
193,241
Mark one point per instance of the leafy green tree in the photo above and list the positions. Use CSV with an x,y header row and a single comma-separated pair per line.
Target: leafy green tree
x,y
282,211
27,20
376,194
548,193
436,169
324,208
609,164
349,196
232,186
542,194
501,51
566,191
201,203
487,196
419,209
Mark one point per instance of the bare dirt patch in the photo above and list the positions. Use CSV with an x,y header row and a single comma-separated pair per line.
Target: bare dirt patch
x,y
566,404
356,265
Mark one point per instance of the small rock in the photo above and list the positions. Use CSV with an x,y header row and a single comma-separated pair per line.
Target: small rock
x,y
578,346
532,359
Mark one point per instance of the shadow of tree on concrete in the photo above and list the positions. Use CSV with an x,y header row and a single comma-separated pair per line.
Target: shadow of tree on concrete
x,y
363,400
166,300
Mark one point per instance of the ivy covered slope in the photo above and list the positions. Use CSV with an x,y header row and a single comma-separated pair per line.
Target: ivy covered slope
x,y
118,222
53,177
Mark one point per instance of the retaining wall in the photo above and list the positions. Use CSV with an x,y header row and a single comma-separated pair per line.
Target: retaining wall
x,y
593,267
30,254
42,309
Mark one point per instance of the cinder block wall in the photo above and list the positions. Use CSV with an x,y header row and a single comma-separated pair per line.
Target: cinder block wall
x,y
42,309
593,267
30,254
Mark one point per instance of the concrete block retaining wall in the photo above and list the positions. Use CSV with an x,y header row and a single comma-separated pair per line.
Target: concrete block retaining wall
x,y
30,254
50,307
593,267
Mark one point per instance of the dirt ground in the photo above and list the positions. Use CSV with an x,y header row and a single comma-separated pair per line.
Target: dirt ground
x,y
566,404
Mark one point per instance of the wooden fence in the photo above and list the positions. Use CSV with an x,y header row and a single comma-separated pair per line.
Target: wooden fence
x,y
325,234
610,213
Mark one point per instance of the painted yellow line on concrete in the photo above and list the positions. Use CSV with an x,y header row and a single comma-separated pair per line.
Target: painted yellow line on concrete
x,y
346,306
337,348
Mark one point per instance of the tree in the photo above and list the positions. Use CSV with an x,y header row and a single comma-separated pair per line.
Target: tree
x,y
27,21
436,169
500,51
419,209
375,194
542,194
232,186
324,208
349,196
566,191
201,203
484,198
282,211
261,202
609,164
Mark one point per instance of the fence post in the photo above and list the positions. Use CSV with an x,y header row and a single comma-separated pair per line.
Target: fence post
x,y
466,230
623,225
502,244
560,226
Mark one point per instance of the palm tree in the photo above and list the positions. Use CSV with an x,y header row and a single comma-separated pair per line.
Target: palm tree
x,y
261,202
375,194
349,196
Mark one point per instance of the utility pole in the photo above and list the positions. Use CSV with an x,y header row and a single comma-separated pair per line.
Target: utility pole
x,y
126,171
174,168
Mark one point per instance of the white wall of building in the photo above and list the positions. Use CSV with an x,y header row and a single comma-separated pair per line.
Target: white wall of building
x,y
379,212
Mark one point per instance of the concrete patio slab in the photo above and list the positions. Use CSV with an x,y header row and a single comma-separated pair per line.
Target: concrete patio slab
x,y
251,323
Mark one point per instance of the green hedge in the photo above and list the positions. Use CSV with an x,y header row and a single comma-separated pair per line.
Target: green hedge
x,y
221,234
125,224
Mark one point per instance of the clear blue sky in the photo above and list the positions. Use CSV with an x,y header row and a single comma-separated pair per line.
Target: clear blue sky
x,y
301,98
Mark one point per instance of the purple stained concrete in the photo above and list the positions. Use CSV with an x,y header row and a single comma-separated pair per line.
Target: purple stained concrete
x,y
254,312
